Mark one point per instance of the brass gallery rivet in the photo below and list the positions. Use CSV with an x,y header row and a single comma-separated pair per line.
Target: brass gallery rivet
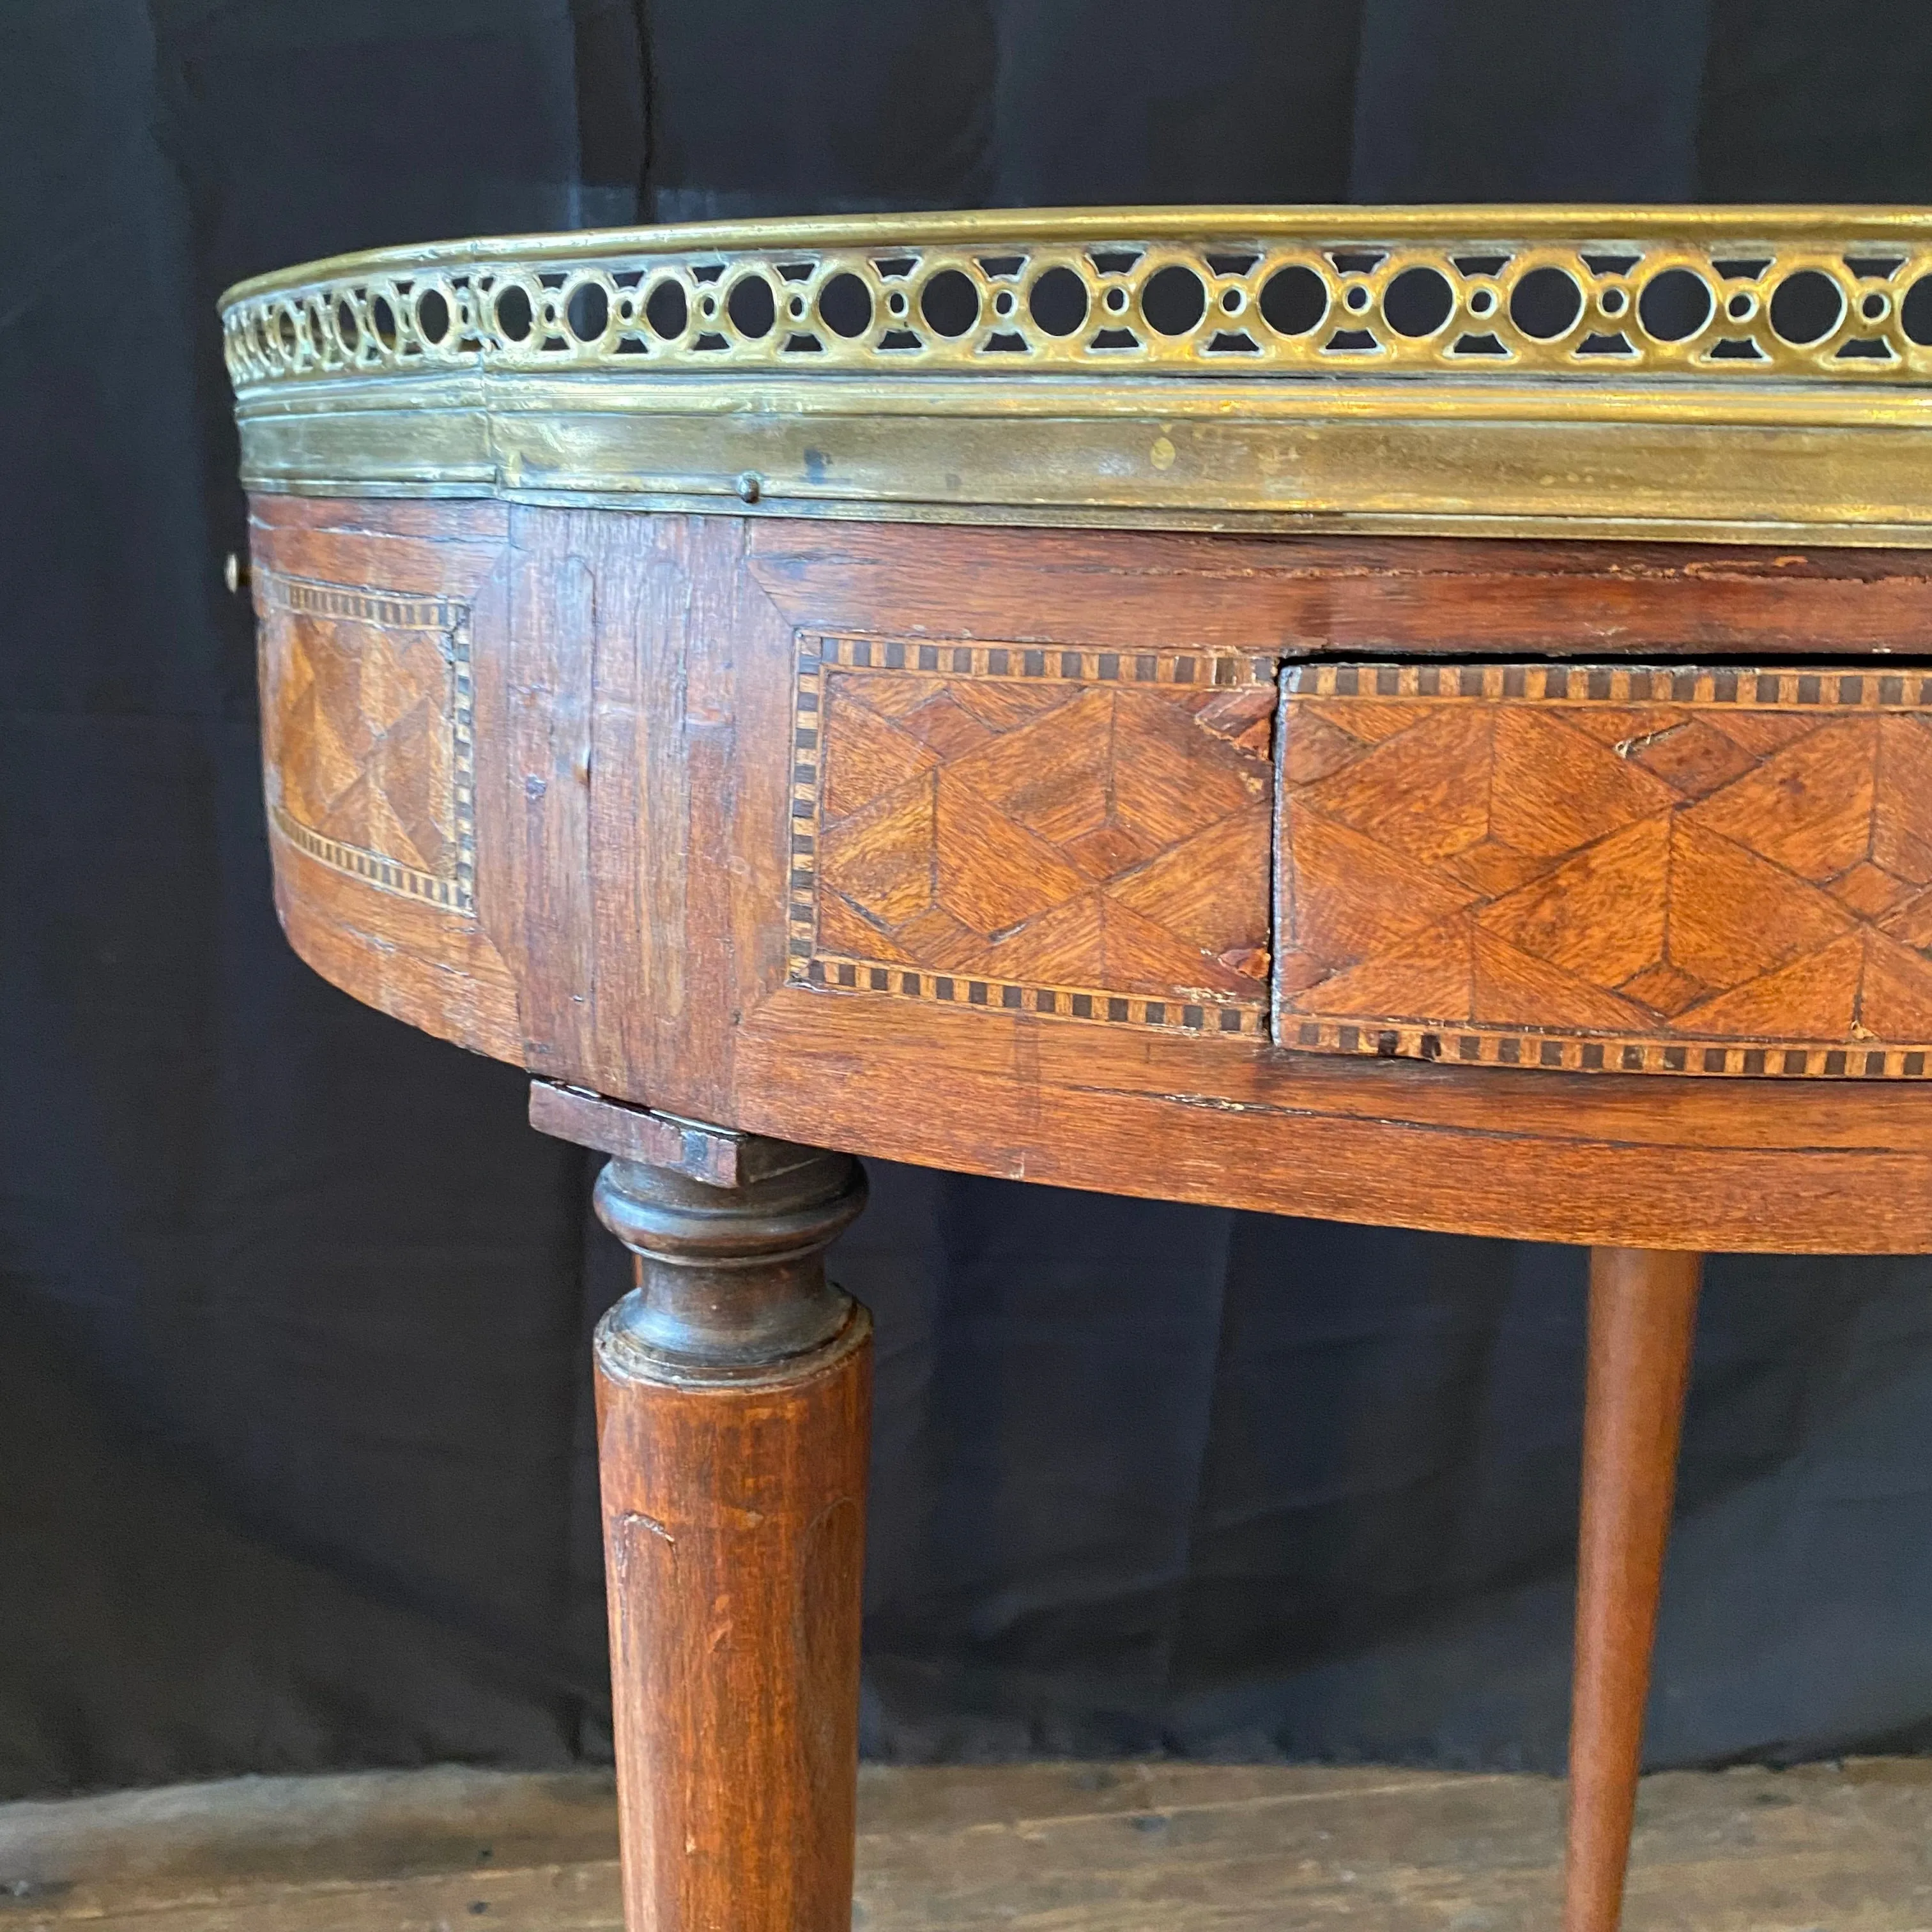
x,y
234,573
750,485
1161,454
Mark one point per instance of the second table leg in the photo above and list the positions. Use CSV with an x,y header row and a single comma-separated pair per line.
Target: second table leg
x,y
1643,1311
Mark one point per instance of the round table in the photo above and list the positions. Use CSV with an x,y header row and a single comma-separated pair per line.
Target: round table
x,y
1413,716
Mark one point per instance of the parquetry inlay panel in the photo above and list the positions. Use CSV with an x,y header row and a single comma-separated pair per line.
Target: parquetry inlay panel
x,y
369,736
1647,870
1079,833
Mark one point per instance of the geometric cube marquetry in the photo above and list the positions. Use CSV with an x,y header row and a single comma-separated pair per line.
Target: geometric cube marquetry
x,y
369,734
1083,834
1688,869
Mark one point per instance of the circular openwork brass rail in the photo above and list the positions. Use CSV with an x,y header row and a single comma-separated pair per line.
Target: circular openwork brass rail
x,y
1606,292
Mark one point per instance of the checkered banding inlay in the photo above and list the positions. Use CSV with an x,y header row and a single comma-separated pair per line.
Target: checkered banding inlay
x,y
1035,830
1806,689
371,734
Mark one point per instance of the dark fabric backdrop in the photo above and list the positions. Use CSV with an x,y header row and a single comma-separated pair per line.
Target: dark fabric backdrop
x,y
295,1451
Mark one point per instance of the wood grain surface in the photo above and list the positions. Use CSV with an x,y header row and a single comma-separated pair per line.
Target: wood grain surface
x,y
369,735
636,680
1643,1312
1137,1847
734,1538
1679,870
1083,833
734,1406
362,613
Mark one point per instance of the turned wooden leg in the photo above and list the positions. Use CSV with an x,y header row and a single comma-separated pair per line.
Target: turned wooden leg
x,y
1643,1311
734,1402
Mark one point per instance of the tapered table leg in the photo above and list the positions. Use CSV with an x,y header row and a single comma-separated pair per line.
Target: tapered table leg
x,y
1643,1308
734,1400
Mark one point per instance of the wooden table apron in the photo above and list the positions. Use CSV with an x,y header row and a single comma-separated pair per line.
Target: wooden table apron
x,y
646,914
1493,867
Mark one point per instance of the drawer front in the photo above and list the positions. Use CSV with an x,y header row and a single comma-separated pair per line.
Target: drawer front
x,y
1691,870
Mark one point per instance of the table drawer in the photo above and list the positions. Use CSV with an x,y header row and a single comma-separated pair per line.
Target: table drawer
x,y
1682,869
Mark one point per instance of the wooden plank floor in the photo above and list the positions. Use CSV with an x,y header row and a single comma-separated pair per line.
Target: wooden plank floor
x,y
1030,1848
